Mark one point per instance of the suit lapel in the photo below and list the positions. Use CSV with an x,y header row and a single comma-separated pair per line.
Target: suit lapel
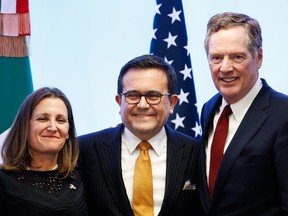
x,y
254,119
110,160
177,159
207,121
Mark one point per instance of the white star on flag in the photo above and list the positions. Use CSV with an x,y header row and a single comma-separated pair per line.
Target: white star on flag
x,y
170,40
168,61
175,15
183,97
197,129
157,9
154,33
186,72
187,48
178,121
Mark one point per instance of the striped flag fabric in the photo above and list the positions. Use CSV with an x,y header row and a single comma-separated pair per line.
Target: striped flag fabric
x,y
170,42
14,28
15,72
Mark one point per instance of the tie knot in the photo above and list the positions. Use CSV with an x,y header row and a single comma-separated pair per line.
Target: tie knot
x,y
144,145
227,111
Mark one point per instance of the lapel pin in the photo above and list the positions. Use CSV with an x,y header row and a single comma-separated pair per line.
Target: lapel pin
x,y
72,187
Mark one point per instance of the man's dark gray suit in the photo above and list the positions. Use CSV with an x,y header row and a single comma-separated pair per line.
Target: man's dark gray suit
x,y
253,176
100,168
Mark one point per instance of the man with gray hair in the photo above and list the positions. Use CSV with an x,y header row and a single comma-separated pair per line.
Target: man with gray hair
x,y
244,151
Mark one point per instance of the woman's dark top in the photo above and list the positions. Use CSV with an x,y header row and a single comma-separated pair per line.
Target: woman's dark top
x,y
41,193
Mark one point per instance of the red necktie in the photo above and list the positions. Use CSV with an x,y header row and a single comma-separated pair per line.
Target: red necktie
x,y
217,147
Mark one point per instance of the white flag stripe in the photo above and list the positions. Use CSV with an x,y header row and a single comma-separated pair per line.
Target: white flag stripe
x,y
8,6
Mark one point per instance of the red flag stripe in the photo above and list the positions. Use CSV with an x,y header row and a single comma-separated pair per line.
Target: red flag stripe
x,y
22,6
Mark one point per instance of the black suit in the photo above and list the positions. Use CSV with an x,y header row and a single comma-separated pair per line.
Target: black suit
x,y
253,175
100,167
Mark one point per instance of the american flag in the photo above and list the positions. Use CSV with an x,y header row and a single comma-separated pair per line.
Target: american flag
x,y
170,42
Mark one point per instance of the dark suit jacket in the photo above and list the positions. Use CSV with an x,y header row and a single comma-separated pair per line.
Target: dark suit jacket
x,y
253,175
100,168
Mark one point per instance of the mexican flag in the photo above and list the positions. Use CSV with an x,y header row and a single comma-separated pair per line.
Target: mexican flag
x,y
15,72
15,85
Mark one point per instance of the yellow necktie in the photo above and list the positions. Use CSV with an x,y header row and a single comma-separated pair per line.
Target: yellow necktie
x,y
143,186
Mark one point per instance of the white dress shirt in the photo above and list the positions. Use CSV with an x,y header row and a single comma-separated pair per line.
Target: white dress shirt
x,y
239,110
158,154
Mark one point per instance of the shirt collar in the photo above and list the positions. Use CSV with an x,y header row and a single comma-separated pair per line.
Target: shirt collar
x,y
240,107
157,142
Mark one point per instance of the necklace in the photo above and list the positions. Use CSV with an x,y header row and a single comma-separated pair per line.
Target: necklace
x,y
54,168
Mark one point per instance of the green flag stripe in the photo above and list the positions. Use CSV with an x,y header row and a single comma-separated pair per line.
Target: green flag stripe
x,y
15,85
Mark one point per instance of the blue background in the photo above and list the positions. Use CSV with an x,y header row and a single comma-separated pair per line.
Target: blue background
x,y
80,46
